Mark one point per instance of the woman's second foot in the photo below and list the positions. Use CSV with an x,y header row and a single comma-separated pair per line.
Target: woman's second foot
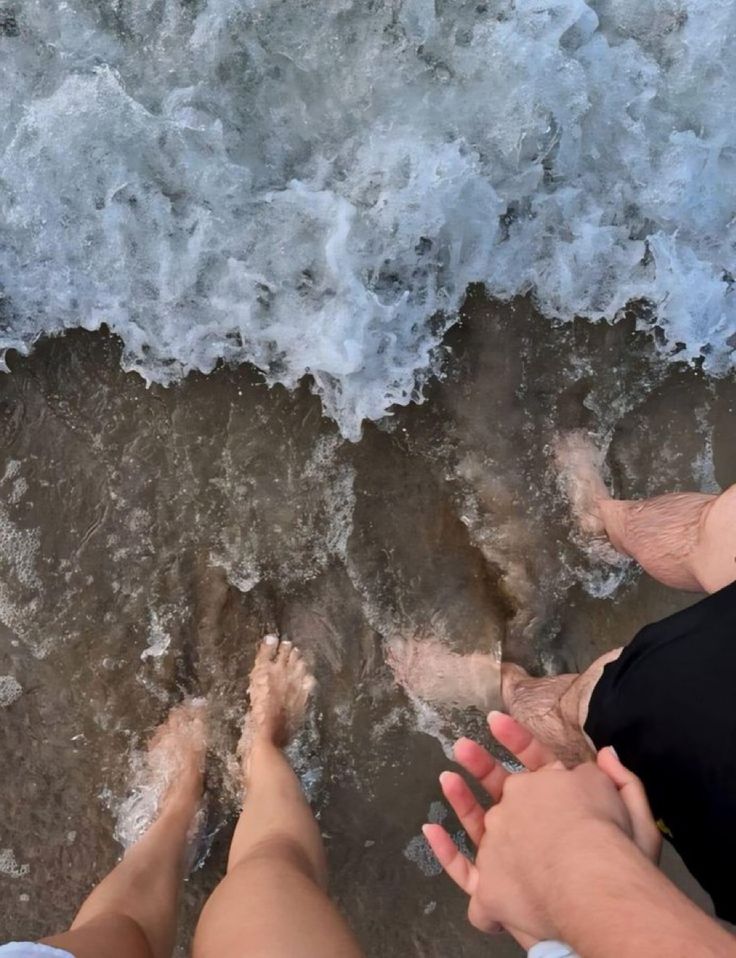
x,y
280,686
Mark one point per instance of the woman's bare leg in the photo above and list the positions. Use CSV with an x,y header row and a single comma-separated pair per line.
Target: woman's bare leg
x,y
684,540
132,913
273,901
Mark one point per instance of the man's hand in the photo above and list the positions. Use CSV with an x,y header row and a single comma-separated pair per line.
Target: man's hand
x,y
538,819
543,823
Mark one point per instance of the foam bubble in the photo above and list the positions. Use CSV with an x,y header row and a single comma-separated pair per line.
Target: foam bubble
x,y
10,690
159,639
20,584
419,852
9,865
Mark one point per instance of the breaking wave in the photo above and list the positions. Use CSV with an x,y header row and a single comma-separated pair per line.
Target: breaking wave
x,y
311,186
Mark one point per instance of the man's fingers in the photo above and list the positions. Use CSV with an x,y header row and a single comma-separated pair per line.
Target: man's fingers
x,y
519,741
457,866
478,762
646,835
465,805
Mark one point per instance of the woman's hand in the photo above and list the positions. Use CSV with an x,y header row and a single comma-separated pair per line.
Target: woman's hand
x,y
587,795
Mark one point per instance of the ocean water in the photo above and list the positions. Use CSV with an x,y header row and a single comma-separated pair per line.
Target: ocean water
x,y
311,186
152,535
246,192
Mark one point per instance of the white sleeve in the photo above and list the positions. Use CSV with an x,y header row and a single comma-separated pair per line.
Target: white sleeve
x,y
29,949
551,949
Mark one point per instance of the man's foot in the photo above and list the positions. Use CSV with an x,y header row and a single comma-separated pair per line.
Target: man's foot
x,y
580,464
430,671
280,686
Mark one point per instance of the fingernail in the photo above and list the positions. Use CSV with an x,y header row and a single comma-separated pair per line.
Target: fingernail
x,y
494,714
613,751
444,775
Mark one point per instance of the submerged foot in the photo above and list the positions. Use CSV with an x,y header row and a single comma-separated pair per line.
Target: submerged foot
x,y
168,778
580,465
176,754
280,686
430,671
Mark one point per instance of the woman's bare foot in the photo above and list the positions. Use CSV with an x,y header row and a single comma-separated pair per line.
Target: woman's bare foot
x,y
280,686
177,753
168,778
580,464
430,671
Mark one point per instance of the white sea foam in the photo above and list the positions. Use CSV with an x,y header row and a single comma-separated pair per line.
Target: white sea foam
x,y
419,852
20,583
159,638
304,185
10,690
9,865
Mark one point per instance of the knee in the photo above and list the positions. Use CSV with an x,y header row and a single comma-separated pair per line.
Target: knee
x,y
282,855
106,927
720,509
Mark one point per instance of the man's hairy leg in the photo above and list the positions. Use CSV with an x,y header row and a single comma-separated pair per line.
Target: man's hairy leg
x,y
664,535
555,708
686,540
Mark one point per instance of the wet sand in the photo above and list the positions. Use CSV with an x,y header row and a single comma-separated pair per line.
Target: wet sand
x,y
149,536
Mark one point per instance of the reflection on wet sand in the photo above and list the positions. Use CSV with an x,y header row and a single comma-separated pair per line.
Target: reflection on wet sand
x,y
150,536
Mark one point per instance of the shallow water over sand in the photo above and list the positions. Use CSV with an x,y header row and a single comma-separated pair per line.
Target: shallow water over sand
x,y
150,536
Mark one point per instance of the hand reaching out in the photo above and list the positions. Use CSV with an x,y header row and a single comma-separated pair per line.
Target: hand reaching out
x,y
535,820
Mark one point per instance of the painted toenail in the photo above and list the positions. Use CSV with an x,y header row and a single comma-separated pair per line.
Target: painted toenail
x,y
271,639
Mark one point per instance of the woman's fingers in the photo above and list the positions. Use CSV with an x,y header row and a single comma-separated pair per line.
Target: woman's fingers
x,y
646,835
519,741
469,811
478,762
462,871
